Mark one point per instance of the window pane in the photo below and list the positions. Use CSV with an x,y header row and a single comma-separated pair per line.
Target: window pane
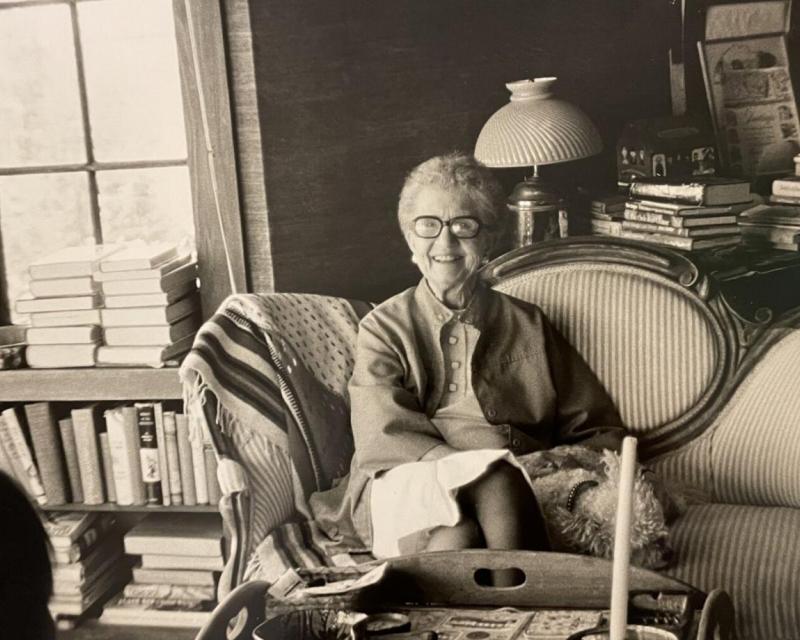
x,y
151,204
131,63
40,114
38,214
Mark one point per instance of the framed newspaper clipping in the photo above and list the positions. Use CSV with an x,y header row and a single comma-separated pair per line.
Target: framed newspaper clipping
x,y
746,71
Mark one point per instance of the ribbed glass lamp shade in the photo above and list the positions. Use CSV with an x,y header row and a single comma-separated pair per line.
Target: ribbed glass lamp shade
x,y
536,128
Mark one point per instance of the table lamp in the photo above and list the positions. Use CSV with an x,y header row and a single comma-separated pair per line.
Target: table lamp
x,y
536,128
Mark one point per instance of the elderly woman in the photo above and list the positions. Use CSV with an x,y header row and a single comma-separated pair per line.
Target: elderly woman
x,y
452,380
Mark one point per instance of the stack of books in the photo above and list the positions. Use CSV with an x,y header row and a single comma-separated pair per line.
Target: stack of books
x,y
151,305
64,307
776,225
89,564
605,211
772,225
688,216
174,582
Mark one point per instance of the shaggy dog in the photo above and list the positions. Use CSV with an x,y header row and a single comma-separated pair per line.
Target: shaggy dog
x,y
577,490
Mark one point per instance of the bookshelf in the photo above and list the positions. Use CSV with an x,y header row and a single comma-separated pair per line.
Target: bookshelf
x,y
69,389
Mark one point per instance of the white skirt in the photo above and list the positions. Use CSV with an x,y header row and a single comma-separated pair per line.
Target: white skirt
x,y
417,497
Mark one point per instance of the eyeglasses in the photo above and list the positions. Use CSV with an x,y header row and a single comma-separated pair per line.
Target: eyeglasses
x,y
464,227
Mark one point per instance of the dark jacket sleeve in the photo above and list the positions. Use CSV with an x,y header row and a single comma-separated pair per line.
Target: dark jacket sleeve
x,y
389,425
585,413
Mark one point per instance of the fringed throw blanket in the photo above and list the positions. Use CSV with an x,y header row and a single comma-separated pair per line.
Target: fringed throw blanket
x,y
278,366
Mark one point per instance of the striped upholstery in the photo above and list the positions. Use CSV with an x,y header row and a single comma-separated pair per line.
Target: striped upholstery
x,y
688,469
756,439
751,552
646,340
269,474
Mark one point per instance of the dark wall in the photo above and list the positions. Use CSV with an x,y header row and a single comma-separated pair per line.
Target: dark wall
x,y
353,93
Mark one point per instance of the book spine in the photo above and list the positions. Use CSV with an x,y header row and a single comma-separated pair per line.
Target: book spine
x,y
83,422
47,447
164,603
658,238
687,193
786,188
778,199
185,459
120,461
169,591
199,467
130,426
71,458
654,227
212,483
163,470
88,539
108,467
5,463
173,460
607,227
10,450
652,217
23,460
174,576
148,453
772,234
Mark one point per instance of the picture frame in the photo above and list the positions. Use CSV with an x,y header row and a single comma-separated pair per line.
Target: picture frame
x,y
749,88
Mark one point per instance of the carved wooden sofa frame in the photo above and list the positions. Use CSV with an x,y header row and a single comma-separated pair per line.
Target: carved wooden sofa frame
x,y
695,379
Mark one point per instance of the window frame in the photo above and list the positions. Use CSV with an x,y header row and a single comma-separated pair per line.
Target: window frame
x,y
210,226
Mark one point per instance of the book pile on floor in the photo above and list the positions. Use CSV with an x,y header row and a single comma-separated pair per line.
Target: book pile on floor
x,y
775,225
174,582
140,454
688,216
122,304
89,564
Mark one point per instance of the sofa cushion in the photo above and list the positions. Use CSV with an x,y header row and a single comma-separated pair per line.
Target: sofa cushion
x,y
751,552
755,451
651,344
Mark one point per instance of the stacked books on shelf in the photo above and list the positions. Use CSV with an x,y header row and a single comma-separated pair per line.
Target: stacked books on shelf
x,y
689,216
121,304
141,454
64,307
151,305
179,558
89,563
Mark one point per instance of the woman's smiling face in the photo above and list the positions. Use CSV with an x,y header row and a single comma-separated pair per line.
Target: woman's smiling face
x,y
447,262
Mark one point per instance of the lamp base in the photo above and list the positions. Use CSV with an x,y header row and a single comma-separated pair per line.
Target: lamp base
x,y
538,210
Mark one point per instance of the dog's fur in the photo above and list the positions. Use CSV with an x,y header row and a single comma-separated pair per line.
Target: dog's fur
x,y
589,527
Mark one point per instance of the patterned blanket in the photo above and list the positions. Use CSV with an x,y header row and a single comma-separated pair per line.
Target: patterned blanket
x,y
278,366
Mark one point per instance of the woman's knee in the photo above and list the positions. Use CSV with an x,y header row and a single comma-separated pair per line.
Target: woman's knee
x,y
504,481
466,534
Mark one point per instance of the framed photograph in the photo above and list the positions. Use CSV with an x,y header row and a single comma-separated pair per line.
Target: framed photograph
x,y
752,101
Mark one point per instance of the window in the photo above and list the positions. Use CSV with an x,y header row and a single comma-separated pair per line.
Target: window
x,y
92,135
